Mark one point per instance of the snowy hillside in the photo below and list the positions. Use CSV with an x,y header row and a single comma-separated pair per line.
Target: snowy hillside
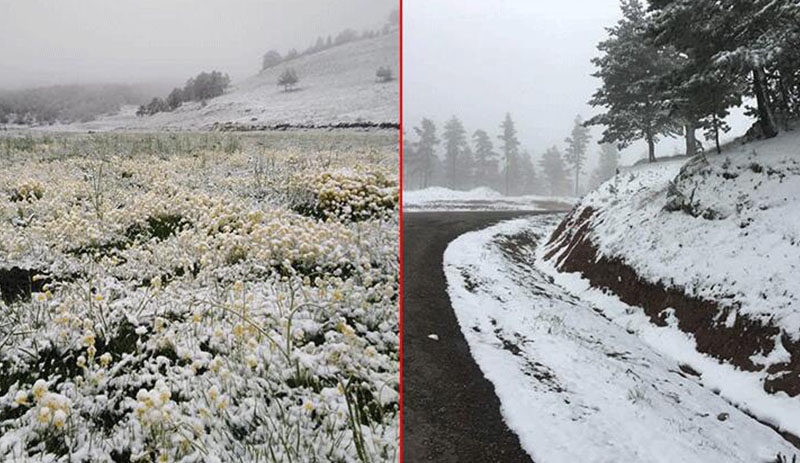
x,y
337,85
711,246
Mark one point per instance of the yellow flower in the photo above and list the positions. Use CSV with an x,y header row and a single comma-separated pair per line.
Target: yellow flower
x,y
59,418
39,389
45,414
21,398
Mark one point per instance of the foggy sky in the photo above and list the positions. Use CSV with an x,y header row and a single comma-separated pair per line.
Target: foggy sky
x,y
478,60
45,42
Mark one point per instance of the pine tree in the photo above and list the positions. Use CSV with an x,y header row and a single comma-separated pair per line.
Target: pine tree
x,y
270,59
575,155
633,72
465,169
454,142
288,79
411,165
554,173
732,44
609,163
527,173
485,159
426,151
510,150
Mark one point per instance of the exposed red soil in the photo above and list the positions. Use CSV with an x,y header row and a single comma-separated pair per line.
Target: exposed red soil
x,y
705,319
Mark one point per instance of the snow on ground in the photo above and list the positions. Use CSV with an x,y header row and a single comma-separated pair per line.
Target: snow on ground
x,y
583,378
482,198
734,238
185,298
336,85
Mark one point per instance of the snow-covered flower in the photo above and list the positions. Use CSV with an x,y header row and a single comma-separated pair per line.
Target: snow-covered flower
x,y
105,359
39,389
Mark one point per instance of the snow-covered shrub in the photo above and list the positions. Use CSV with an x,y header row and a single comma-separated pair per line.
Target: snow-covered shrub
x,y
347,195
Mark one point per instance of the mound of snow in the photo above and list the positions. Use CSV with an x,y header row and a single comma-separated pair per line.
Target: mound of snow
x,y
436,193
481,198
337,85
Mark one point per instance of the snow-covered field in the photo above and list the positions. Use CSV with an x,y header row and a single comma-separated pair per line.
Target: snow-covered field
x,y
483,198
583,377
724,228
199,298
336,86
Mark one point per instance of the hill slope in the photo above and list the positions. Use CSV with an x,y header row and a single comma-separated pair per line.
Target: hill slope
x,y
336,86
711,246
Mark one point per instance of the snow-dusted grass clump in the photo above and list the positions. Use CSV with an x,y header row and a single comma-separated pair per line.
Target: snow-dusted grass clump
x,y
721,227
175,307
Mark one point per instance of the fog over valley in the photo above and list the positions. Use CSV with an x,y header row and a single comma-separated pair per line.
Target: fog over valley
x,y
95,41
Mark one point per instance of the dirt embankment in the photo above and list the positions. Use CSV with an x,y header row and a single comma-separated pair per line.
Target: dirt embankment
x,y
735,343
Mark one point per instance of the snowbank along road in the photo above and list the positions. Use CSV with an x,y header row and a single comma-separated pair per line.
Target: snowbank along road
x,y
580,376
451,411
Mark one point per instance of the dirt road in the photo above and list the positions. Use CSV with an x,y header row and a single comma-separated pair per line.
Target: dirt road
x,y
451,411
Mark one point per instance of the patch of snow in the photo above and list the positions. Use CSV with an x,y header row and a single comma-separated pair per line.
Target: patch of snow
x,y
481,198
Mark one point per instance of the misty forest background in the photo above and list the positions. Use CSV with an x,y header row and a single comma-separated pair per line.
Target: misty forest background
x,y
459,160
672,69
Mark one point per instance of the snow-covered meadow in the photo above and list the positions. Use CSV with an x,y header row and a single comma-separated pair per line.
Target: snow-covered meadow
x,y
199,297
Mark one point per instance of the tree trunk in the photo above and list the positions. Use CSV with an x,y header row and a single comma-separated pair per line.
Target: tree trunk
x,y
691,141
453,174
651,148
577,182
716,134
508,172
765,117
